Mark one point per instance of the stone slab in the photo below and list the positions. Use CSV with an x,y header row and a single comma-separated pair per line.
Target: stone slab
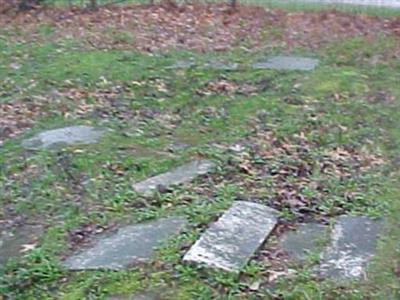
x,y
130,245
307,238
61,137
221,66
180,175
229,243
12,241
353,243
288,63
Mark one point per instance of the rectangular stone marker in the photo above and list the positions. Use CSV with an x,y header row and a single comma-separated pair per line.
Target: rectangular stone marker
x,y
308,238
353,243
61,137
180,175
288,63
130,245
229,243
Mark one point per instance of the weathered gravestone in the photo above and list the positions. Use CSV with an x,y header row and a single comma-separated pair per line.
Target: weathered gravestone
x,y
308,238
288,63
353,244
61,137
13,242
221,66
130,245
229,243
346,249
180,175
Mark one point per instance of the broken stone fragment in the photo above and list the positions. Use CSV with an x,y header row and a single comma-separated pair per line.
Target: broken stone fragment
x,y
306,239
352,245
180,175
287,63
229,243
74,135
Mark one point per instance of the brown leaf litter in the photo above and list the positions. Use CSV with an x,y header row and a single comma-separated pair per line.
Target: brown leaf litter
x,y
196,27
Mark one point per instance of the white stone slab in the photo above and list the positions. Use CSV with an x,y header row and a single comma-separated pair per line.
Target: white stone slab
x,y
353,243
63,137
229,243
180,175
288,63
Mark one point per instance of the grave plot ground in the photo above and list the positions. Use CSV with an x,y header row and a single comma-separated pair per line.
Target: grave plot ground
x,y
157,113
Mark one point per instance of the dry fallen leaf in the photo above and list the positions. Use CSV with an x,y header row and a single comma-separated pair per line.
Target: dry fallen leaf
x,y
27,248
255,286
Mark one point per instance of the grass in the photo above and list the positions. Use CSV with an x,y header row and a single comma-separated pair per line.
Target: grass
x,y
289,5
295,5
346,103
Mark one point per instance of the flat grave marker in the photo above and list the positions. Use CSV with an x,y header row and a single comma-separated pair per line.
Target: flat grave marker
x,y
229,243
129,245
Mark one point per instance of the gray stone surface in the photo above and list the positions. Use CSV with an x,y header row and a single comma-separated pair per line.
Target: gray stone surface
x,y
229,243
353,243
130,245
379,3
307,238
221,66
12,242
63,137
180,175
290,63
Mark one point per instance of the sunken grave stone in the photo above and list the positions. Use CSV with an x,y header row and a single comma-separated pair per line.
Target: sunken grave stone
x,y
128,246
307,238
62,137
180,175
353,244
229,243
221,66
12,242
288,63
